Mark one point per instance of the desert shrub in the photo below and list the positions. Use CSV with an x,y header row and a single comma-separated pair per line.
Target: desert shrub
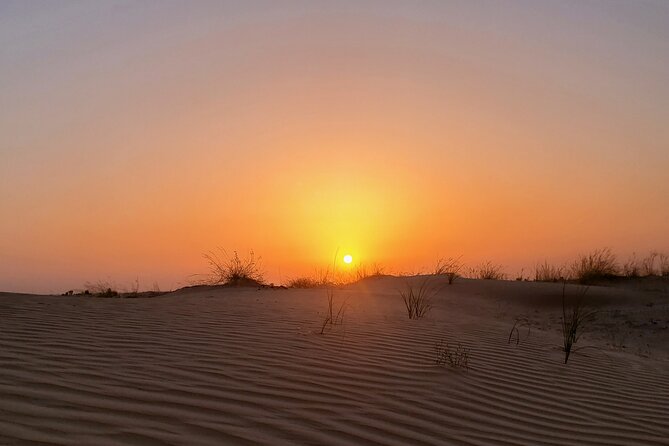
x,y
98,287
417,298
303,282
331,317
631,267
133,290
576,316
545,272
323,277
232,269
363,271
648,264
520,277
108,293
101,288
599,264
449,267
329,276
377,270
455,357
487,271
410,273
664,265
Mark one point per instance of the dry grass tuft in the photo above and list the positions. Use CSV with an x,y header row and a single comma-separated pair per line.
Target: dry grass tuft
x,y
303,282
487,271
648,264
101,288
450,267
631,267
233,270
364,272
599,264
576,316
331,318
545,272
456,357
664,265
417,299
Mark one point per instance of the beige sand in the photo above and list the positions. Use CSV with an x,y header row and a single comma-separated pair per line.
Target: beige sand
x,y
247,366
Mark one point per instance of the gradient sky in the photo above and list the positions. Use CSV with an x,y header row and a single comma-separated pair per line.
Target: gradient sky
x,y
134,136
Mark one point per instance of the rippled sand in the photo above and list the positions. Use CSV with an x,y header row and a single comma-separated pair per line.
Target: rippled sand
x,y
247,366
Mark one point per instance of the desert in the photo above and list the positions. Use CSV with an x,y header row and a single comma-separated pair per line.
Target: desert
x,y
220,365
334,222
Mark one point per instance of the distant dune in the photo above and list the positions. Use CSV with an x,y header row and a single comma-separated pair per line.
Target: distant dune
x,y
244,366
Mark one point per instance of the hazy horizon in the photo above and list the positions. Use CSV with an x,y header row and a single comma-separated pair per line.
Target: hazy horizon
x,y
134,137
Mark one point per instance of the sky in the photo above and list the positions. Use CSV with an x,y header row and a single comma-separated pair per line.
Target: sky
x,y
137,135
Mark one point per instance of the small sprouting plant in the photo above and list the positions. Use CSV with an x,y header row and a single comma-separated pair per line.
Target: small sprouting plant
x,y
456,357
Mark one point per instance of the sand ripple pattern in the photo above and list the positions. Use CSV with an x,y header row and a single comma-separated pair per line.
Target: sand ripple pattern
x,y
249,367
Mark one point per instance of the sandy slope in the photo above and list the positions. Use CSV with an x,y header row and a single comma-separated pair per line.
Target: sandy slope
x,y
248,367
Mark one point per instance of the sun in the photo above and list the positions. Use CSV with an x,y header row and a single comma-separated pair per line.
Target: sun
x,y
348,258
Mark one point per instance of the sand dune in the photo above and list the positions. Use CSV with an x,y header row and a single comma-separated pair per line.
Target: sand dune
x,y
247,366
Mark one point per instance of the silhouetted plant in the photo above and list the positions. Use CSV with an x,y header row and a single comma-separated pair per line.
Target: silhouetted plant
x,y
599,264
417,298
332,318
664,265
575,318
109,293
648,264
233,270
450,267
101,288
487,271
133,291
545,272
631,267
363,271
303,282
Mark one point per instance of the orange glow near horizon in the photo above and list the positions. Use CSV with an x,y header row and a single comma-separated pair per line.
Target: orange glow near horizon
x,y
426,130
